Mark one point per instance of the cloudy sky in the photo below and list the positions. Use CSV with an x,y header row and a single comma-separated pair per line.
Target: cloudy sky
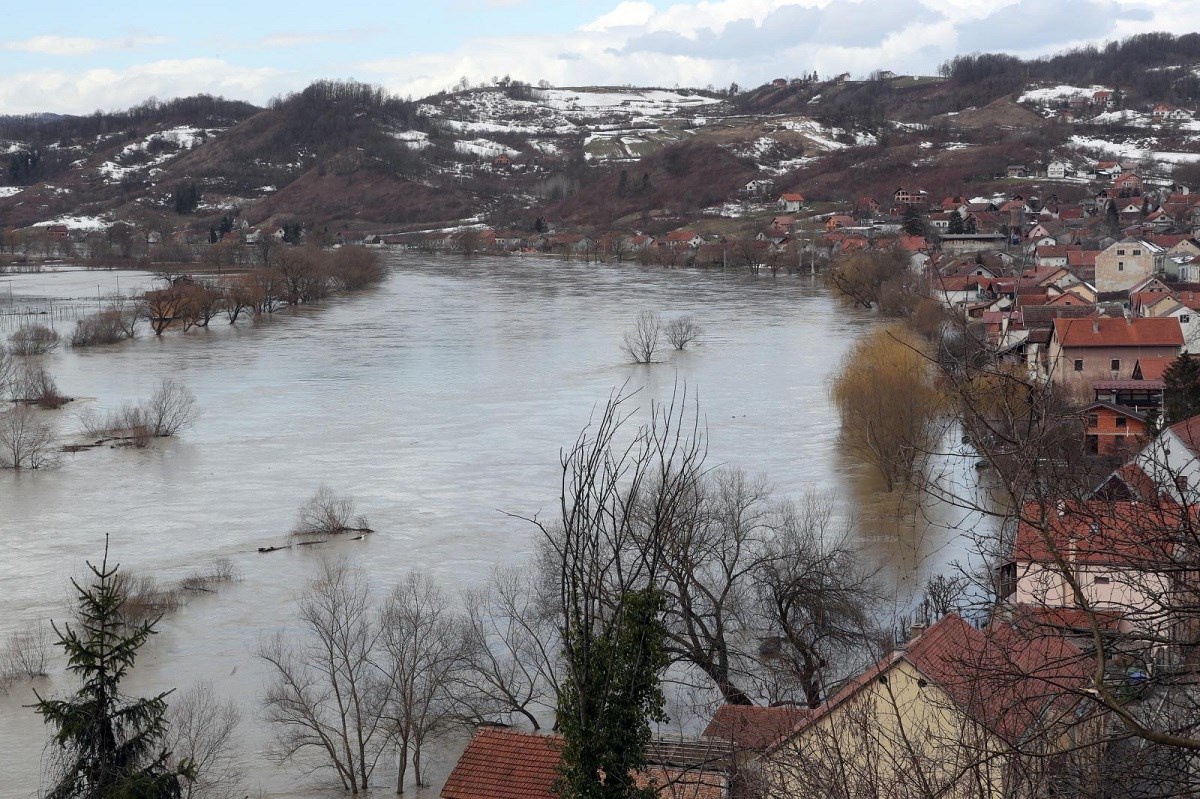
x,y
77,56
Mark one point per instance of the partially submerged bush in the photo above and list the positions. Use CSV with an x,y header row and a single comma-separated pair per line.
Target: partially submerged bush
x,y
682,331
35,385
26,653
33,340
25,441
106,327
640,343
169,410
328,513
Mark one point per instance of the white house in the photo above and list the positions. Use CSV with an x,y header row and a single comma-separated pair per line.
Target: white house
x,y
1056,169
1172,460
790,203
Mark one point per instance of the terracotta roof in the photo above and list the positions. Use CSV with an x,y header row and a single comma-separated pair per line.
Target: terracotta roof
x,y
1098,532
1065,620
681,235
1001,677
1082,257
792,198
1152,368
1188,431
752,727
1128,385
1110,332
507,764
1136,484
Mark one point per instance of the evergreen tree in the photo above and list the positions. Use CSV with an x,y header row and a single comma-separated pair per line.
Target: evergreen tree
x,y
645,186
186,198
956,223
1112,217
913,224
607,705
108,746
969,226
622,183
1181,393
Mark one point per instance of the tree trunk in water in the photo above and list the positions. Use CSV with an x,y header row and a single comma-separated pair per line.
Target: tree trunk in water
x,y
402,768
417,765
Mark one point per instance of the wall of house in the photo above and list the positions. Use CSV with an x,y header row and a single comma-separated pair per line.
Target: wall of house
x,y
1133,593
1113,439
893,739
1097,364
1172,467
1120,272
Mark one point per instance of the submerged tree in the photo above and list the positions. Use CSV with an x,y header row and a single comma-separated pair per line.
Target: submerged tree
x,y
108,746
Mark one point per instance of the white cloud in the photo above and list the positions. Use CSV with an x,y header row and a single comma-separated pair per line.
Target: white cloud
x,y
627,13
80,45
87,91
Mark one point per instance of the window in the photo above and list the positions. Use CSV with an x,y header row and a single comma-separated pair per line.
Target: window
x,y
1079,364
1121,420
1181,484
1115,365
1137,252
1101,580
1120,266
1120,252
1093,420
1184,319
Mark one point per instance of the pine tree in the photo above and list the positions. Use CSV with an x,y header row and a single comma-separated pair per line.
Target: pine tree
x,y
607,705
956,223
969,226
109,746
913,224
622,183
1181,392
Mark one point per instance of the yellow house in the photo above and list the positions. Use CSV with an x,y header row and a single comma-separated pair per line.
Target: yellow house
x,y
957,713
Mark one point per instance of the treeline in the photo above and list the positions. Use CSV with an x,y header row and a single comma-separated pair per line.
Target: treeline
x,y
201,110
292,276
1138,65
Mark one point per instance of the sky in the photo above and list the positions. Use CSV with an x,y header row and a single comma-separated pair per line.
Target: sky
x,y
77,56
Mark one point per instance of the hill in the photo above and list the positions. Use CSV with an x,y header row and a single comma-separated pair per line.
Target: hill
x,y
350,156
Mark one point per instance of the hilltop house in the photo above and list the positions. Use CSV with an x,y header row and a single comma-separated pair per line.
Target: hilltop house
x,y
1056,169
956,712
1084,351
790,203
902,197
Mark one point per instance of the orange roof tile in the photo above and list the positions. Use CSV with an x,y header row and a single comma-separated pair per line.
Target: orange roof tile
x,y
1119,332
753,727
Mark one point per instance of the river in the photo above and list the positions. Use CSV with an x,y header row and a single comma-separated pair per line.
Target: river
x,y
439,401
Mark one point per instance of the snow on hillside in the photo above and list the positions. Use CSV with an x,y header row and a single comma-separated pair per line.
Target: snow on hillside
x,y
644,102
1135,149
414,139
8,191
483,148
88,223
1050,94
154,150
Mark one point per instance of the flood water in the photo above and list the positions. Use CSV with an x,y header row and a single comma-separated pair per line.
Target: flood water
x,y
439,401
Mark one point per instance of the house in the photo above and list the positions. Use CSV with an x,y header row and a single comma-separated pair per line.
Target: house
x,y
1113,430
1124,264
836,221
791,202
902,197
502,161
1016,171
779,83
683,238
759,188
507,764
866,206
1083,351
1127,183
58,231
1121,555
956,712
1103,98
1172,461
1057,169
959,243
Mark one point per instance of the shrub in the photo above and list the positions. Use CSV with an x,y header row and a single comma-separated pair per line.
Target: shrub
x,y
33,340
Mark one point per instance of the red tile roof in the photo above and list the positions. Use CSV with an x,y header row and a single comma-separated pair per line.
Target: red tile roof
x,y
1152,368
507,764
504,764
1001,677
1099,533
1082,257
792,198
1188,431
1119,332
752,727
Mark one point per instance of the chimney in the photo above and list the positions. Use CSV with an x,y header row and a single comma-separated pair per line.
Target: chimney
x,y
915,630
1095,325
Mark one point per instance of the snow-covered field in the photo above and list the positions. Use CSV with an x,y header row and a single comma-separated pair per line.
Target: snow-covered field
x,y
86,223
1050,94
1138,149
174,141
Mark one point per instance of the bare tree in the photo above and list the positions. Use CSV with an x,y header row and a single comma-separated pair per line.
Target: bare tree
x,y
682,331
171,408
203,731
26,652
326,693
34,384
8,370
25,442
422,652
33,340
511,630
328,513
641,343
